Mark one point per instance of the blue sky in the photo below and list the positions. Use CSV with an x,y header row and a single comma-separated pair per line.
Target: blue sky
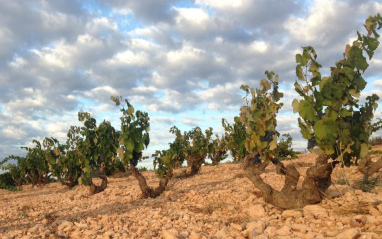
x,y
181,61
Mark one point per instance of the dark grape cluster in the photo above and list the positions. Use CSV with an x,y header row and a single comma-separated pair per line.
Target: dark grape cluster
x,y
268,137
256,159
90,123
312,142
275,91
136,157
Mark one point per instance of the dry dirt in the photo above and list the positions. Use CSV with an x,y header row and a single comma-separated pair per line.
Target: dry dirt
x,y
219,202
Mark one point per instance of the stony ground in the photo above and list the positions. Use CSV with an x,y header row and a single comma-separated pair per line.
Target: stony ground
x,y
219,202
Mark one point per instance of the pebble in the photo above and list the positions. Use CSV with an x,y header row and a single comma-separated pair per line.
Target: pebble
x,y
65,226
316,211
194,235
374,212
221,233
257,226
284,231
291,213
300,227
349,234
257,212
170,234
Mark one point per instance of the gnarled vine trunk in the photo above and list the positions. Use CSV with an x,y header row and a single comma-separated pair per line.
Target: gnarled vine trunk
x,y
318,179
177,164
146,190
71,181
368,167
219,155
102,175
195,163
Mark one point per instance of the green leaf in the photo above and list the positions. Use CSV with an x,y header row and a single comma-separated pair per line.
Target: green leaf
x,y
354,93
364,150
357,59
273,143
306,55
349,72
314,66
300,59
305,131
299,73
295,105
325,82
307,110
326,129
130,110
139,148
345,113
265,84
360,82
372,43
245,88
317,151
129,145
299,89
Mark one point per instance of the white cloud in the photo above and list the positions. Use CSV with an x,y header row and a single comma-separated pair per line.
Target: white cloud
x,y
13,133
145,89
378,83
318,24
18,62
223,4
102,23
142,44
185,55
34,100
130,58
192,16
259,46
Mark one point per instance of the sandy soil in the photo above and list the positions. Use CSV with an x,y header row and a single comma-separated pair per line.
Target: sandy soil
x,y
219,202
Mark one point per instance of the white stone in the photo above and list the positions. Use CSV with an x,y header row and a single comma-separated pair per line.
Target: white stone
x,y
81,225
170,234
253,235
65,226
270,231
334,194
331,233
194,235
291,213
236,227
374,212
316,211
349,234
300,227
257,212
257,226
284,231
184,234
221,233
380,208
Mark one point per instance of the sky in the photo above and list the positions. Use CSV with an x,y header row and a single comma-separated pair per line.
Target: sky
x,y
183,62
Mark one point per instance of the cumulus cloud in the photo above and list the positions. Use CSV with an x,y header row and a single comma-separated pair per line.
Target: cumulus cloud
x,y
173,59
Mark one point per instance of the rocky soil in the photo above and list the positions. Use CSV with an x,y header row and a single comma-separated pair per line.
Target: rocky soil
x,y
219,202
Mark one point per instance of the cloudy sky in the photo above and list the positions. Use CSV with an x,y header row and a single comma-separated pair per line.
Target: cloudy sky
x,y
181,61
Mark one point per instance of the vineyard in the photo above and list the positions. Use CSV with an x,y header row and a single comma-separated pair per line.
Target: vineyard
x,y
92,186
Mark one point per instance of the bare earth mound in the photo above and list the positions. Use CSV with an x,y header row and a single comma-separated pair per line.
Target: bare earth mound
x,y
219,202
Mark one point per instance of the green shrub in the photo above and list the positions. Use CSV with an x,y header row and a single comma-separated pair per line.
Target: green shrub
x,y
142,169
368,184
7,182
284,148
